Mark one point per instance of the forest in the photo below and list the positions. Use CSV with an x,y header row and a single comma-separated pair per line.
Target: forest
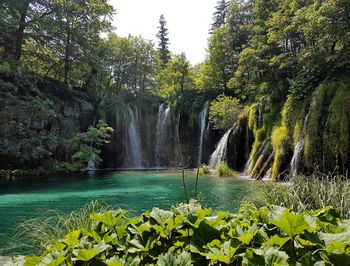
x,y
271,100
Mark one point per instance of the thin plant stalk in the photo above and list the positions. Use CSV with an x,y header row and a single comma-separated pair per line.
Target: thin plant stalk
x,y
181,158
196,188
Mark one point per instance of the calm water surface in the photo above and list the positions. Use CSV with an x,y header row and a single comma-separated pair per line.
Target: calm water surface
x,y
25,198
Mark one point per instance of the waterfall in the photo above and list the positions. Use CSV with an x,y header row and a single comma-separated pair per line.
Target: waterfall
x,y
134,139
163,123
219,155
202,126
260,122
246,168
298,148
91,165
267,176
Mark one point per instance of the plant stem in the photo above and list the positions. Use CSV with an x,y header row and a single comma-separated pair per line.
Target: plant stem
x,y
181,158
196,189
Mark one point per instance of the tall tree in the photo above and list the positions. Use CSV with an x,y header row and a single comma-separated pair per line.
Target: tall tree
x,y
18,22
219,16
163,42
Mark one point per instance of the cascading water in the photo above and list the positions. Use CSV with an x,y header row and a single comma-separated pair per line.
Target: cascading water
x,y
203,127
91,165
260,122
246,167
219,155
134,139
299,146
163,124
267,176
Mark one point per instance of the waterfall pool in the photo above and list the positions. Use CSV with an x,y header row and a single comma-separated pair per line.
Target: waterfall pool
x,y
25,198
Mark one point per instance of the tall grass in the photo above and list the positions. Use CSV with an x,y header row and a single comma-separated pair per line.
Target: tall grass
x,y
306,193
44,231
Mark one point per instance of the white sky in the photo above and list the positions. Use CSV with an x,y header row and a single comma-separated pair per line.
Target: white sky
x,y
188,22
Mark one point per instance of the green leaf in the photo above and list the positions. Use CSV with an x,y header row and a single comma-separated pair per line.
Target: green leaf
x,y
114,261
110,218
275,257
246,238
222,252
276,241
291,224
72,239
253,259
54,258
172,259
32,261
160,216
88,254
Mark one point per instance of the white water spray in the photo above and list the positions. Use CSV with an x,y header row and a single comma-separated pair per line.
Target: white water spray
x,y
298,149
203,127
91,165
219,155
163,124
134,138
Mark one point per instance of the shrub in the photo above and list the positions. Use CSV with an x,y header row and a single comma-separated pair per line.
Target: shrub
x,y
224,112
223,170
203,170
191,235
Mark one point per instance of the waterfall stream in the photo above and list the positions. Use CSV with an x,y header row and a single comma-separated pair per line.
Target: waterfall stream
x,y
91,165
163,124
219,155
203,127
134,138
298,149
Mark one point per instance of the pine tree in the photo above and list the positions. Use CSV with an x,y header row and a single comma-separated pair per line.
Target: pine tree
x,y
163,43
219,15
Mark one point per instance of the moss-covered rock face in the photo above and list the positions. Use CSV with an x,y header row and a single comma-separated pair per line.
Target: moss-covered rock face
x,y
320,123
327,135
37,117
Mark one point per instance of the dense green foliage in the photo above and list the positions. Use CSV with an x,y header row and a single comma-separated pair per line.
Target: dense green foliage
x,y
224,112
284,61
191,235
224,170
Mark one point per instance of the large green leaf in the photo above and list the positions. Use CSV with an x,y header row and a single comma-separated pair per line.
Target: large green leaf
x,y
88,254
204,235
275,257
291,224
222,252
72,238
276,241
160,216
251,258
172,259
110,218
54,258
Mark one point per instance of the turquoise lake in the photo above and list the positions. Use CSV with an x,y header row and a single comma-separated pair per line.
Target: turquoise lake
x,y
25,198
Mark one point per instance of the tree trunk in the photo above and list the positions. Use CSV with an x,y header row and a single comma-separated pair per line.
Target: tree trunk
x,y
67,53
20,31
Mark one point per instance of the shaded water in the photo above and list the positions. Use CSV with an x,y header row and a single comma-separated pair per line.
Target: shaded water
x,y
25,198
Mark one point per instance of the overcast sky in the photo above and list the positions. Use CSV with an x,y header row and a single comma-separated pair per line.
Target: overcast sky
x,y
188,22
